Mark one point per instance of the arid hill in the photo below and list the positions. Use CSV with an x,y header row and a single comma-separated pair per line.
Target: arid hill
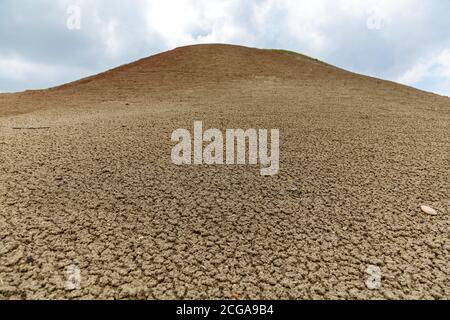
x,y
88,184
200,66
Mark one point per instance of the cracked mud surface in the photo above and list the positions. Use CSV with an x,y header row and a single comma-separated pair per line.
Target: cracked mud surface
x,y
87,180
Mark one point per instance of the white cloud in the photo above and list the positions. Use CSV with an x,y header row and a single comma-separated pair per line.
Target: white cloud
x,y
433,67
185,22
382,38
15,69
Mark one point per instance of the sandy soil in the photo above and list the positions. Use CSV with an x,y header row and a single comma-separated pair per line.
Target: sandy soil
x,y
87,180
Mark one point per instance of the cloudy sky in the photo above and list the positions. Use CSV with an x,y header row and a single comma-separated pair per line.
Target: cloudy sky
x,y
43,43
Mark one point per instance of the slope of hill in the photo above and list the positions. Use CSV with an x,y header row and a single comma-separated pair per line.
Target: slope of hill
x,y
87,181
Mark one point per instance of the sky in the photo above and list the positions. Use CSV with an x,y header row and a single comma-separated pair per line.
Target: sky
x,y
44,43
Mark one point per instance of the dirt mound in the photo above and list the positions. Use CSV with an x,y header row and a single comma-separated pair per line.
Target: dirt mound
x,y
194,67
202,64
91,205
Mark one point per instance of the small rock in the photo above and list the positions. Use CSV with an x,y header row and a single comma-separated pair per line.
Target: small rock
x,y
30,260
373,282
73,278
429,210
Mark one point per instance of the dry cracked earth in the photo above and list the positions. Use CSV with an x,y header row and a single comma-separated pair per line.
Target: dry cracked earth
x,y
87,182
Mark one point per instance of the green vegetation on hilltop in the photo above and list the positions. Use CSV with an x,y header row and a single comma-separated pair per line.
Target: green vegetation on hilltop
x,y
293,53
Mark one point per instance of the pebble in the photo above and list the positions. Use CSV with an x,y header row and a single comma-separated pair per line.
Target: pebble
x,y
429,210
